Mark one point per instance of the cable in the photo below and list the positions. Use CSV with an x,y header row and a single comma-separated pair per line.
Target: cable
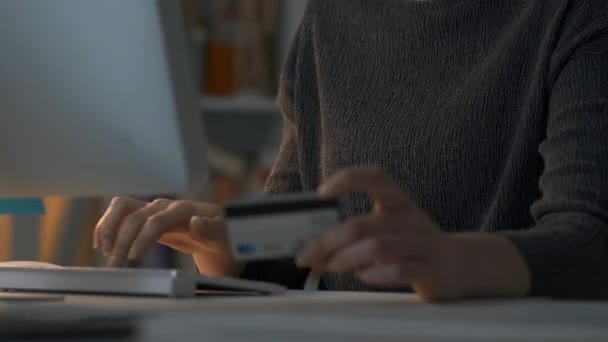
x,y
312,281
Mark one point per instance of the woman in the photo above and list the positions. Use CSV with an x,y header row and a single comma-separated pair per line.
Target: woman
x,y
467,140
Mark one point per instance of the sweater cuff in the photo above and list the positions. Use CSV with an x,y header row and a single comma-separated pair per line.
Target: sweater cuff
x,y
537,250
558,268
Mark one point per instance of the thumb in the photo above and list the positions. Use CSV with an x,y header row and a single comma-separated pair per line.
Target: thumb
x,y
207,229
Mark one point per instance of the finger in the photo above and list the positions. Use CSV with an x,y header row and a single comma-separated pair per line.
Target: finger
x,y
108,225
175,215
384,249
208,229
205,210
130,228
321,248
96,242
393,275
373,180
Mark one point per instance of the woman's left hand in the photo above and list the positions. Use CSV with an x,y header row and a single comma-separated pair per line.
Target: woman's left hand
x,y
397,245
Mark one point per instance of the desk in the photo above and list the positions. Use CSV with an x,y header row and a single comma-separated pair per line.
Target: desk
x,y
338,316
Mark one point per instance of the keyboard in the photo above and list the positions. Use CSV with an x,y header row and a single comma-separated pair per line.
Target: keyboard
x,y
124,281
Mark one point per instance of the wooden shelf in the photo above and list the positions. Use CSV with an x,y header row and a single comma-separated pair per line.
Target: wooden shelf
x,y
241,105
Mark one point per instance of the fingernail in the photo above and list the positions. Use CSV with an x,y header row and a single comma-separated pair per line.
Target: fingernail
x,y
300,261
116,261
112,261
303,260
322,190
304,256
197,228
132,254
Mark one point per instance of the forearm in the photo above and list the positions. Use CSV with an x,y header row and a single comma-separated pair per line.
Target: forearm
x,y
490,266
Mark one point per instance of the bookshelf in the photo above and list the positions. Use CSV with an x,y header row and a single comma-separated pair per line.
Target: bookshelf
x,y
250,118
242,126
246,123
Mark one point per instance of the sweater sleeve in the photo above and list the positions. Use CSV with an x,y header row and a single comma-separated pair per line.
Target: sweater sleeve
x,y
284,177
567,249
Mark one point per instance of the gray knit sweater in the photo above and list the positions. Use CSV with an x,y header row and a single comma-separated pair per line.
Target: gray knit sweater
x,y
491,114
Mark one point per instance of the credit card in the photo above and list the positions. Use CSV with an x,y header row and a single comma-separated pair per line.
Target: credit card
x,y
277,226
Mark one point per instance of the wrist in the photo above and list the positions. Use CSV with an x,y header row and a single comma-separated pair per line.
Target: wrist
x,y
216,265
489,266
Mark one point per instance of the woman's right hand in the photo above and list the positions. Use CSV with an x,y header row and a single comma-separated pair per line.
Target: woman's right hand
x,y
130,227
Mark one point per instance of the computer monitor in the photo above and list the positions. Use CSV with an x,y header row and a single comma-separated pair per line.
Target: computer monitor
x,y
98,98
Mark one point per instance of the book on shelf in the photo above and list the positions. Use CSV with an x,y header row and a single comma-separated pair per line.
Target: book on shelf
x,y
242,47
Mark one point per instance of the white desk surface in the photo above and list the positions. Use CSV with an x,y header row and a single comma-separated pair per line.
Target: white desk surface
x,y
338,316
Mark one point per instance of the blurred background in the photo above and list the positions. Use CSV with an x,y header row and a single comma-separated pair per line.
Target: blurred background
x,y
238,48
